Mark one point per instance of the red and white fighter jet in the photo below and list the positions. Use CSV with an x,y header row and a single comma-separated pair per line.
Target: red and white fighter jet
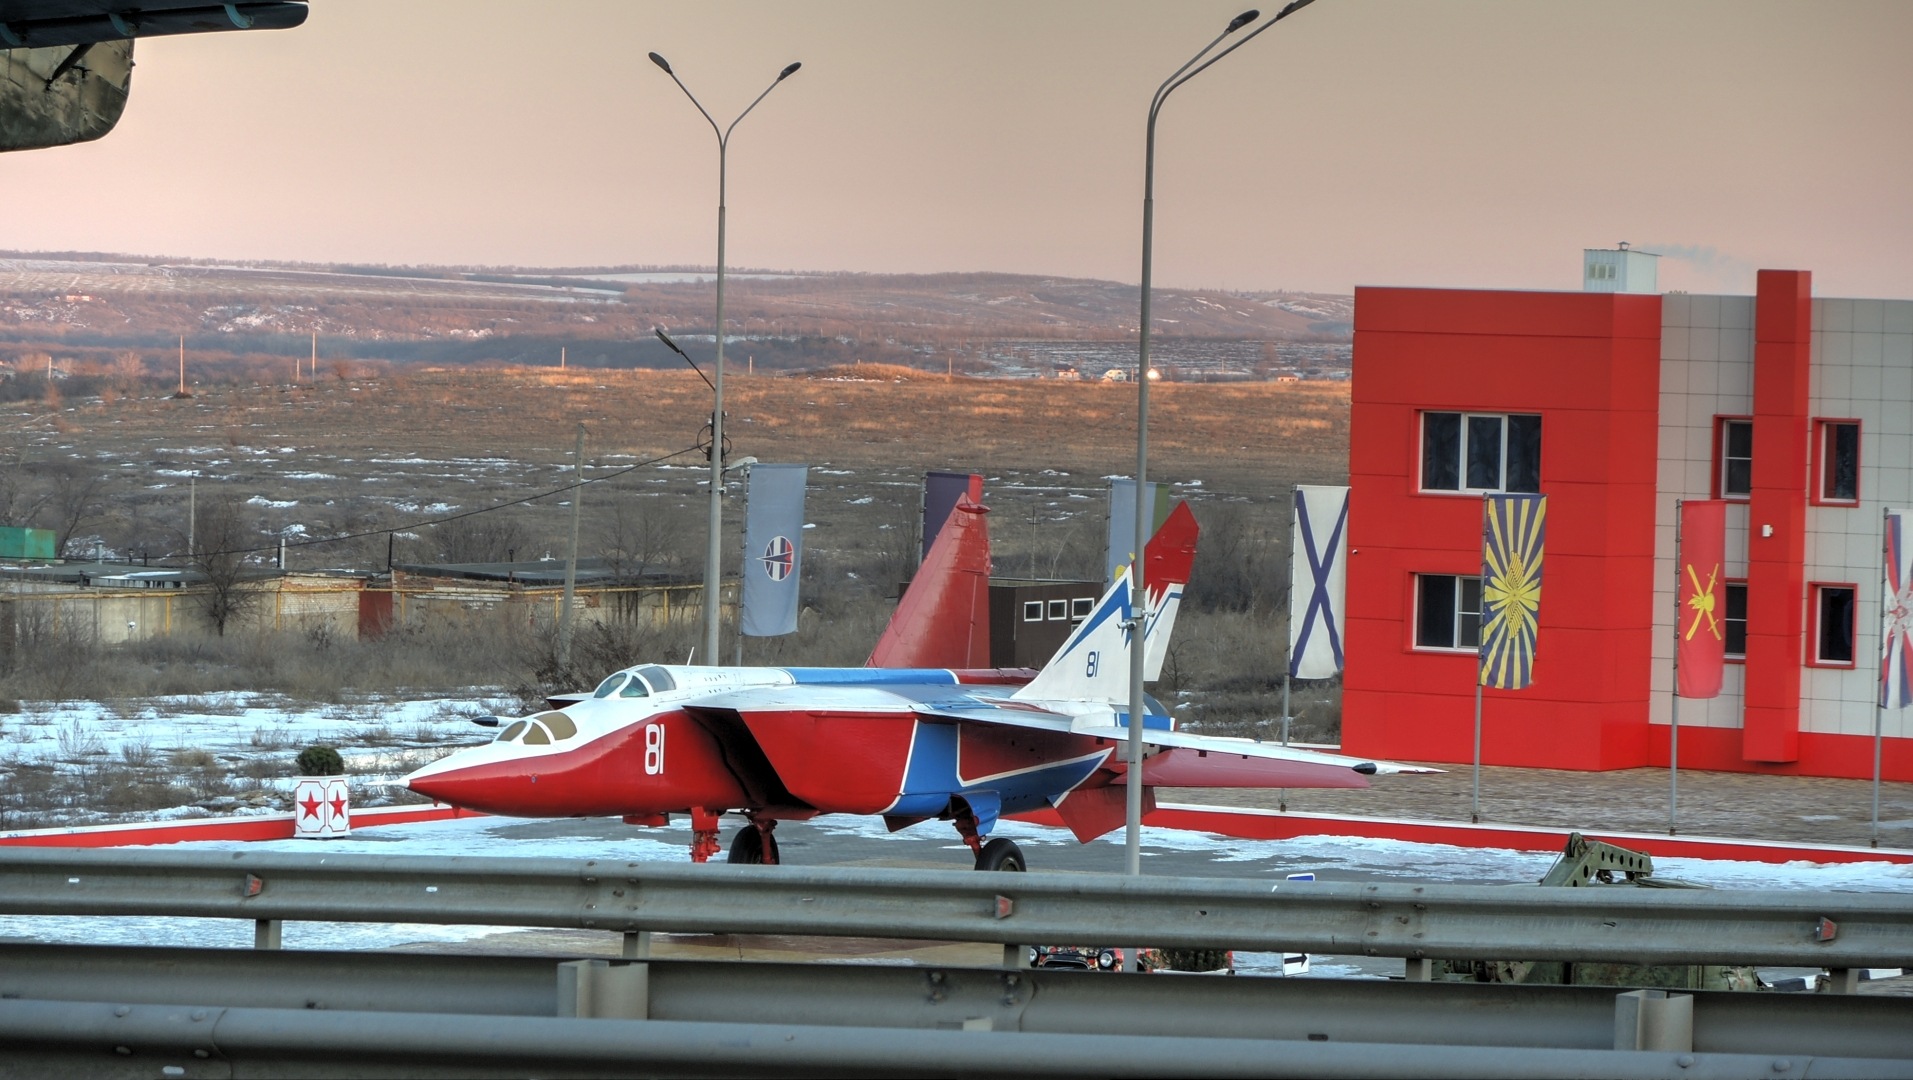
x,y
908,743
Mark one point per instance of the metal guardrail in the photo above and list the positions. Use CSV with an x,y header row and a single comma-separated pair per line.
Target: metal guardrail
x,y
1458,922
934,997
188,1043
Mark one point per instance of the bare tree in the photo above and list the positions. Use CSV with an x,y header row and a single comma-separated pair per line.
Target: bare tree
x,y
75,498
20,499
490,537
128,371
64,496
222,538
1241,561
641,538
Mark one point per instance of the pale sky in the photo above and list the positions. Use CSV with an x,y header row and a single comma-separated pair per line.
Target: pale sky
x,y
1462,143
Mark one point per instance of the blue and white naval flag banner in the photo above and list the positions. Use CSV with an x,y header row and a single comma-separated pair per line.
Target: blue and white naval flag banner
x,y
1122,521
773,548
1318,552
1896,604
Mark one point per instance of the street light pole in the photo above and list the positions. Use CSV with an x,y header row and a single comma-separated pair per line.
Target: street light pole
x,y
713,554
1139,596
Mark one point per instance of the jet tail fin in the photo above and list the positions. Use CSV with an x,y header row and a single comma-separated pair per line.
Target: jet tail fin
x,y
1093,663
1167,562
943,619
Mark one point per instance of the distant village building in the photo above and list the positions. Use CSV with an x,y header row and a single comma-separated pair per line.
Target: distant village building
x,y
116,602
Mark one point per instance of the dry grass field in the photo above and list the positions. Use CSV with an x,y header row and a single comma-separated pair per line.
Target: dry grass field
x,y
384,454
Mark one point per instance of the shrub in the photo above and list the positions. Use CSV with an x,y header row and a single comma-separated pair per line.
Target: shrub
x,y
321,761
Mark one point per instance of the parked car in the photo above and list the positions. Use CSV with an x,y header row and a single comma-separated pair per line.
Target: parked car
x,y
1194,961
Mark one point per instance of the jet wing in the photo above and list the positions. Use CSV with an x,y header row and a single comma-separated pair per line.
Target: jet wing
x,y
1226,745
1183,767
900,698
1182,759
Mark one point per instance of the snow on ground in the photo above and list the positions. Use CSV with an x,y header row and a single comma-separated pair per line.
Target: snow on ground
x,y
252,737
581,840
381,740
236,723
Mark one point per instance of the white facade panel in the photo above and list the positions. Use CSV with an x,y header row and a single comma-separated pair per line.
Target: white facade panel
x,y
1862,369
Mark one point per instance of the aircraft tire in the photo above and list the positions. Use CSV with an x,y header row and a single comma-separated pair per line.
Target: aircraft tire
x,y
749,846
1001,854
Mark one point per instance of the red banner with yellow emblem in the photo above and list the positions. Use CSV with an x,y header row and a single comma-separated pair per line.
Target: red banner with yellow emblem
x,y
1702,630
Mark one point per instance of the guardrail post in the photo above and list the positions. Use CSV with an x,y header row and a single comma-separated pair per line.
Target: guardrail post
x,y
1654,1020
1843,980
637,944
1015,958
266,933
1420,969
594,989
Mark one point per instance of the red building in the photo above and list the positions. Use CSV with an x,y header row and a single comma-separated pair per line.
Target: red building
x,y
1614,405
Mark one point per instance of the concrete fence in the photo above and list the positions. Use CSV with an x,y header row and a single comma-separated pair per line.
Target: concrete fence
x,y
342,607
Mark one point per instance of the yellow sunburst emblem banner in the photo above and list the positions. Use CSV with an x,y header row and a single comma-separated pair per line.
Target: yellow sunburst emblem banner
x,y
1513,530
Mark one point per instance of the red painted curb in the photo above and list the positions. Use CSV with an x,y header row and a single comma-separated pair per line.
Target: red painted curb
x,y
1242,824
274,826
1274,825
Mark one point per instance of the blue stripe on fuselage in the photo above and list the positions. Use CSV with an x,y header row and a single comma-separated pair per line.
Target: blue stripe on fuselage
x,y
1153,718
931,778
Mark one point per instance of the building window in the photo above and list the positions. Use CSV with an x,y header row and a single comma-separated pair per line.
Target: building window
x,y
1032,611
1059,609
1734,622
1080,608
1733,457
1836,448
1447,611
1834,621
1476,452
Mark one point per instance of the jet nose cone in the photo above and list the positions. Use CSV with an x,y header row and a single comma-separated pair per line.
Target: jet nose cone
x,y
445,781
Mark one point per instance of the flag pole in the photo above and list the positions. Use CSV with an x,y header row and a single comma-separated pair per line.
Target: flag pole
x,y
743,562
1879,721
1474,813
1879,709
1289,671
1674,717
1474,810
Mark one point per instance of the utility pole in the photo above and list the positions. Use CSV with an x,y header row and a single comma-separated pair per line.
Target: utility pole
x,y
571,558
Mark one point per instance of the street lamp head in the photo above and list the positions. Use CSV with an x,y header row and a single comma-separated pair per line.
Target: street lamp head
x,y
663,63
1235,24
788,72
666,338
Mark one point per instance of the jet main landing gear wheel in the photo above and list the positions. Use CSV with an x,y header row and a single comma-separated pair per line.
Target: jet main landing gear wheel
x,y
1001,854
753,844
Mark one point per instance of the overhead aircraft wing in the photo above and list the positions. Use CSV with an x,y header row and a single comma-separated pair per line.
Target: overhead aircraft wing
x,y
66,66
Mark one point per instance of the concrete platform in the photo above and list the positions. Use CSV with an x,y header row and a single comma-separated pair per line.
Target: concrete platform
x,y
1807,810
